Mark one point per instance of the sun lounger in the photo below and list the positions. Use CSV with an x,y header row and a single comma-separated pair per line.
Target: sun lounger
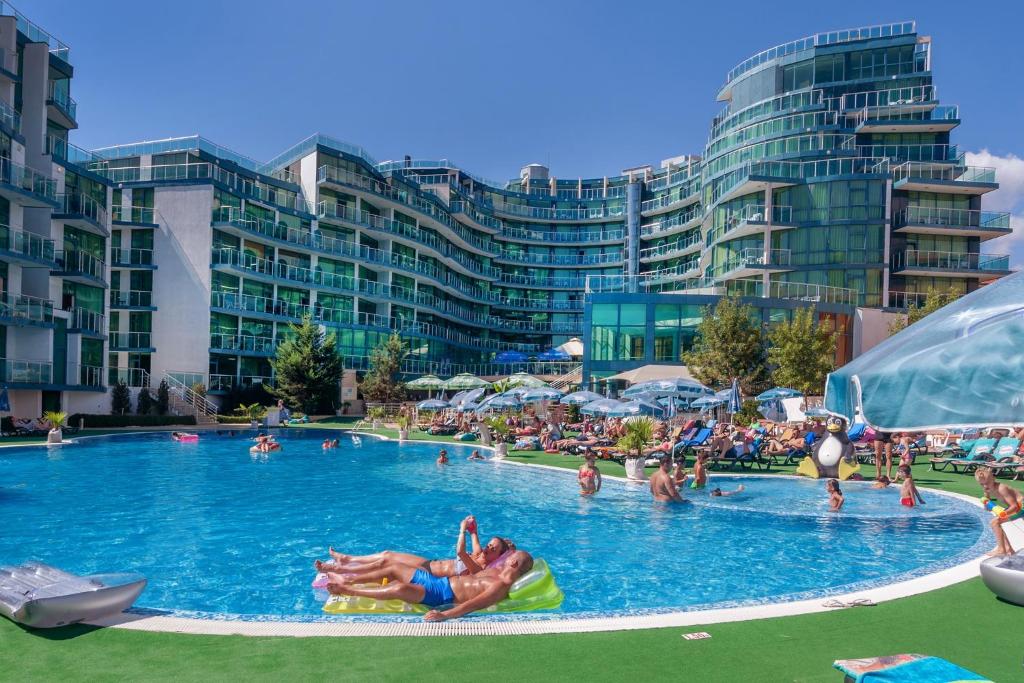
x,y
746,460
1005,455
700,439
981,451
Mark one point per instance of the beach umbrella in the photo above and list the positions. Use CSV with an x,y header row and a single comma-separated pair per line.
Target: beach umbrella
x,y
776,393
500,402
573,347
525,379
554,355
600,407
541,394
467,396
511,357
427,382
668,387
467,407
517,392
579,398
735,400
465,381
817,412
961,367
707,402
432,404
637,407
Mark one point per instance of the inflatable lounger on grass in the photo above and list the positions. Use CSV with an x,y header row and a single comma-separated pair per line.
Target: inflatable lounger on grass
x,y
41,596
533,591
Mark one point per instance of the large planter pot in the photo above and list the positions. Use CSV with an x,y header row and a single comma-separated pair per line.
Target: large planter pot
x,y
635,469
501,450
403,434
55,436
485,435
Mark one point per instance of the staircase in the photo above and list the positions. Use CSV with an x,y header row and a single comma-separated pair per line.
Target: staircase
x,y
184,401
571,378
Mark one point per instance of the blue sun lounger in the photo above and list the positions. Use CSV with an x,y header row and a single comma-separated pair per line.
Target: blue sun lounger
x,y
981,451
1005,456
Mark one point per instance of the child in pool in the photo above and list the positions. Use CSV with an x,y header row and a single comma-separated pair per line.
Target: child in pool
x,y
475,455
326,444
679,474
589,476
442,457
700,471
881,483
719,492
835,495
908,492
1005,496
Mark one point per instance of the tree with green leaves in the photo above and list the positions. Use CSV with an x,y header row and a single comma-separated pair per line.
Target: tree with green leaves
x,y
639,434
144,403
163,398
802,352
307,368
120,399
934,300
728,345
381,385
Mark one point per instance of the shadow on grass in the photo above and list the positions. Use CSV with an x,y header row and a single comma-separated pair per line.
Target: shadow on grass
x,y
68,632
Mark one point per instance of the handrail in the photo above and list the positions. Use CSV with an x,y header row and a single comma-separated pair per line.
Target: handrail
x,y
200,404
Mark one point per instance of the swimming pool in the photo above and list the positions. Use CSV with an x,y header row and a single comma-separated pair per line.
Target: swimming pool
x,y
221,532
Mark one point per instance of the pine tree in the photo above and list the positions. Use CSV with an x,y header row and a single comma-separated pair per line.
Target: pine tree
x,y
120,399
307,368
933,301
144,405
728,345
802,352
381,384
163,398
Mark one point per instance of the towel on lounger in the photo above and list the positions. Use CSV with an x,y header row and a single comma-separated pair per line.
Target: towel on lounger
x,y
905,668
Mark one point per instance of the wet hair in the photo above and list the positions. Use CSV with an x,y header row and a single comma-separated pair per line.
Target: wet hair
x,y
833,484
716,491
884,479
905,470
666,460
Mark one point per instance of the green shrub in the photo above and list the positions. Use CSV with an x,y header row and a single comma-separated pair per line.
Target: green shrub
x,y
748,414
233,419
145,405
110,421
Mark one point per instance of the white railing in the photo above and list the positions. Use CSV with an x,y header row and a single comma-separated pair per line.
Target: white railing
x,y
199,404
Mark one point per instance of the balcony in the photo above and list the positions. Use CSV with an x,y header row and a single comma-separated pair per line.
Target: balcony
x,y
950,264
124,257
131,341
906,119
243,344
534,304
683,271
557,260
545,213
923,177
17,374
81,267
133,377
20,309
670,201
964,222
87,322
897,154
752,220
749,262
82,212
26,186
574,237
676,224
757,176
25,248
60,107
134,215
517,280
912,98
9,116
133,299
679,247
61,149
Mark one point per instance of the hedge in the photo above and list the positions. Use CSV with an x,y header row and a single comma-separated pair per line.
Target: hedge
x,y
234,420
106,421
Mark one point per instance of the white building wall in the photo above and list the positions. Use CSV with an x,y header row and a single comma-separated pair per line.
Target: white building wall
x,y
181,282
871,328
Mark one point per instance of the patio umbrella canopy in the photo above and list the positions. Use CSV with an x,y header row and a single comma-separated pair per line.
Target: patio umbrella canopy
x,y
777,392
541,394
465,381
500,402
961,366
427,382
573,347
668,387
580,398
652,372
553,355
511,357
707,402
467,396
735,400
638,407
524,379
432,404
600,406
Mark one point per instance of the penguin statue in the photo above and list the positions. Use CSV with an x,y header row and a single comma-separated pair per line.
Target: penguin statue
x,y
832,456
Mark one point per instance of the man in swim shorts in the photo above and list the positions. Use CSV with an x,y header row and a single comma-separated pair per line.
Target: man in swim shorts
x,y
466,593
663,488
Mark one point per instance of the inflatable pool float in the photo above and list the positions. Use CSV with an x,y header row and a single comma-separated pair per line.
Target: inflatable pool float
x,y
1004,576
185,438
533,591
468,436
41,596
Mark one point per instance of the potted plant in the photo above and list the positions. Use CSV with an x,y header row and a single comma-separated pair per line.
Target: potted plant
x,y
254,412
639,433
56,420
403,427
501,430
376,414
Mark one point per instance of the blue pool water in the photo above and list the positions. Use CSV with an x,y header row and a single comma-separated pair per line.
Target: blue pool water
x,y
219,531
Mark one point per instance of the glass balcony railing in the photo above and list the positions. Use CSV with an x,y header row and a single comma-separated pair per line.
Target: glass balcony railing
x,y
556,214
133,214
953,218
747,258
561,259
131,341
905,300
131,299
64,101
687,269
30,309
88,375
59,148
543,304
573,236
133,377
78,204
88,321
27,180
27,244
900,114
124,256
26,371
75,262
541,281
912,259
901,153
158,173
921,172
10,117
676,221
672,248
891,97
36,34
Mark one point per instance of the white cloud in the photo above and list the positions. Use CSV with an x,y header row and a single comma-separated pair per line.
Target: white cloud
x,y
1009,197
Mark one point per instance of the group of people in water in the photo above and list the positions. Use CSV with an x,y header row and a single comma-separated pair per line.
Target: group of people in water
x,y
474,579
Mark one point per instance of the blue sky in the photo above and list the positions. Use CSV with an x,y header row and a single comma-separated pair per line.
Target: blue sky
x,y
589,88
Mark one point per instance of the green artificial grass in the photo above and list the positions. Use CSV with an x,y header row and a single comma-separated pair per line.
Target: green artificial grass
x,y
964,623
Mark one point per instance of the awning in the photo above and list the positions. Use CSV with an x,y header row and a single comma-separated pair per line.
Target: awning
x,y
651,372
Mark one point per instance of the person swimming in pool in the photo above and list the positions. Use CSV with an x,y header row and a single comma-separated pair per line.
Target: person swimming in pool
x,y
717,492
374,567
663,487
417,586
589,477
700,471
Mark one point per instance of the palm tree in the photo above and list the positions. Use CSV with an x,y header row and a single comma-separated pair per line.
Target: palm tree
x,y
56,419
501,386
639,433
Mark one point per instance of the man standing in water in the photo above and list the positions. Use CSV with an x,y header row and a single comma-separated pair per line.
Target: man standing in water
x,y
663,488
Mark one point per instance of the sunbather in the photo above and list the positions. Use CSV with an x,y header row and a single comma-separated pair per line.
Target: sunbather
x,y
467,594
